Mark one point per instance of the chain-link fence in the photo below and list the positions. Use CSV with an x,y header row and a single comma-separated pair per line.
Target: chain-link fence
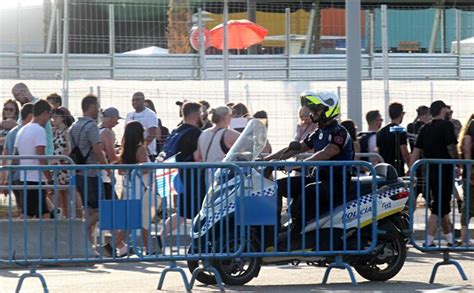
x,y
313,27
278,99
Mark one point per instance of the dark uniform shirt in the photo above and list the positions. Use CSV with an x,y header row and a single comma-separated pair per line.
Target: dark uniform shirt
x,y
335,134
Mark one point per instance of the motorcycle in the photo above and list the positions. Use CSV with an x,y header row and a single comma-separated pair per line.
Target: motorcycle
x,y
351,223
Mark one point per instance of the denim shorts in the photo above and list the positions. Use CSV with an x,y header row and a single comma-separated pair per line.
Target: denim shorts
x,y
91,186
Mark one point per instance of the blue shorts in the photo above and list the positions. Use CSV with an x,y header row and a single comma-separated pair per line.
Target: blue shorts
x,y
91,199
89,191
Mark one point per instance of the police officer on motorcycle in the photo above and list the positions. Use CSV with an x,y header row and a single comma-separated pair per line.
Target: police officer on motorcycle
x,y
330,142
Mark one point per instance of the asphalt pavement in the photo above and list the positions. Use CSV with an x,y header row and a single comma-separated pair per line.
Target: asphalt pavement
x,y
144,276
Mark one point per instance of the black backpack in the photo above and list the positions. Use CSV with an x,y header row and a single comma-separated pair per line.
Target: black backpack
x,y
76,154
171,145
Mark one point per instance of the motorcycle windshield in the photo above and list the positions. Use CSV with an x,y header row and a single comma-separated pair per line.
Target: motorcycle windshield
x,y
247,148
250,143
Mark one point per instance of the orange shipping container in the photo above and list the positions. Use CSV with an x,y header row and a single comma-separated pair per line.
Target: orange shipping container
x,y
333,22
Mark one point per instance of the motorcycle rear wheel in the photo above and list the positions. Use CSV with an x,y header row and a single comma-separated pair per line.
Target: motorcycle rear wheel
x,y
385,267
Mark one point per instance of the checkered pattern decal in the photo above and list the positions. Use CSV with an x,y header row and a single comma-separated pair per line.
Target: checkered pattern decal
x,y
217,215
366,199
266,192
230,208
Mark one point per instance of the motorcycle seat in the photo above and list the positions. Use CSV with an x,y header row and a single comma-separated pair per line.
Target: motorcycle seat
x,y
385,175
365,183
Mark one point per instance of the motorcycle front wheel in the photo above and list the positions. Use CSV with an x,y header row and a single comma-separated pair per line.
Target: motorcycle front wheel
x,y
388,260
238,271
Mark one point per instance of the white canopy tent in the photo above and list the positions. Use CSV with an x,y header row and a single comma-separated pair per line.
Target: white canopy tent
x,y
153,50
466,45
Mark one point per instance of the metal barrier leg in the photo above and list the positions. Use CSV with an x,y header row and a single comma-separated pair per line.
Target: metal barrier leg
x,y
447,261
32,274
339,264
174,268
207,268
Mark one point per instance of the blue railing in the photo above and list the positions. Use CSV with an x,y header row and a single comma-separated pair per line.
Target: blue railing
x,y
436,180
235,208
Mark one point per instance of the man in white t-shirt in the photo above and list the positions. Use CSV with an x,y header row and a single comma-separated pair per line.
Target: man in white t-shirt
x,y
30,141
22,94
148,119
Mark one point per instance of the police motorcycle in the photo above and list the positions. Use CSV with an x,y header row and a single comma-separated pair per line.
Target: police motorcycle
x,y
383,263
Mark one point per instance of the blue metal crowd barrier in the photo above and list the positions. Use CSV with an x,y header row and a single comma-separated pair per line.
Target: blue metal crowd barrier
x,y
332,210
336,223
38,241
332,220
436,180
318,230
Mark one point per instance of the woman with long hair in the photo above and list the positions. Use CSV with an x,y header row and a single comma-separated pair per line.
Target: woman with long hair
x,y
10,115
134,151
62,120
466,148
10,110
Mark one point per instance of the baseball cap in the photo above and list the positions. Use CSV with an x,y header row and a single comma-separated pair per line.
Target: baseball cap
x,y
436,106
111,112
181,103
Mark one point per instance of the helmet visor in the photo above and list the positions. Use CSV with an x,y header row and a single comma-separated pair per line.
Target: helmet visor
x,y
312,103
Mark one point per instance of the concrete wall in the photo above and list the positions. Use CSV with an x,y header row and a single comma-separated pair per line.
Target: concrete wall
x,y
48,239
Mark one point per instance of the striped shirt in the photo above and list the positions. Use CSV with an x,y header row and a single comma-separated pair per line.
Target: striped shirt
x,y
85,138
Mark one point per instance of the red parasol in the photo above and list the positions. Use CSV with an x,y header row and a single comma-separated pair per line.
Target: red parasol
x,y
241,34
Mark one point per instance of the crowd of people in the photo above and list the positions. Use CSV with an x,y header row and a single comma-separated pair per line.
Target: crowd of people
x,y
38,127
32,126
434,134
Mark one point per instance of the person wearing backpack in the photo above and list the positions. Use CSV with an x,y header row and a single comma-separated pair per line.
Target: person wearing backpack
x,y
368,139
182,143
86,149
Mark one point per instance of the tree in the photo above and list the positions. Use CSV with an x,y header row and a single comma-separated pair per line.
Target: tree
x,y
179,18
